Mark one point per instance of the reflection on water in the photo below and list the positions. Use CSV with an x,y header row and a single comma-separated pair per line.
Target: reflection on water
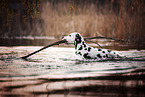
x,y
56,71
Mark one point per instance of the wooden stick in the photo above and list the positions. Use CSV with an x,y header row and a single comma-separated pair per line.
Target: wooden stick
x,y
63,41
95,43
55,43
86,38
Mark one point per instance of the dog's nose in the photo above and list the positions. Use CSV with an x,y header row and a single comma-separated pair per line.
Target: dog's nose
x,y
62,37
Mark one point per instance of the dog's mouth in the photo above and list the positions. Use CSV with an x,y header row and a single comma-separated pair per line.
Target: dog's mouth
x,y
65,41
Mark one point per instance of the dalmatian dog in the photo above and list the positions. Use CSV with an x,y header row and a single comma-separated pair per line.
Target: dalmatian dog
x,y
88,52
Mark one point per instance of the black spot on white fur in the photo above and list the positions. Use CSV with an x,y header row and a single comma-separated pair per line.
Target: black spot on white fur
x,y
99,50
109,51
103,51
84,44
80,48
107,55
98,55
86,56
89,49
79,53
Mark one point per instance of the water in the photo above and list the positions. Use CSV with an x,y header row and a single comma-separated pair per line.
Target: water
x,y
57,71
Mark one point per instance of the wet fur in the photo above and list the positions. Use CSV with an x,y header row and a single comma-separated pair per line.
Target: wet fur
x,y
88,52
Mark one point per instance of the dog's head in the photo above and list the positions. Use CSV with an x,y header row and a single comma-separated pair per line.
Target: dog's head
x,y
74,38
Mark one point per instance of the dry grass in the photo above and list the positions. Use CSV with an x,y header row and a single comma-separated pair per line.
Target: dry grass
x,y
125,20
60,20
91,20
131,25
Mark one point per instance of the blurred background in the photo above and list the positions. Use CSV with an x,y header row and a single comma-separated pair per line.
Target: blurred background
x,y
36,22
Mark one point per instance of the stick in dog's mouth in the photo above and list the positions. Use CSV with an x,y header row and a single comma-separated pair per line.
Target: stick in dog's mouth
x,y
65,41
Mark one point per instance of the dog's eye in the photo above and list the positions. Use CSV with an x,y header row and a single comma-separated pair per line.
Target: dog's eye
x,y
69,35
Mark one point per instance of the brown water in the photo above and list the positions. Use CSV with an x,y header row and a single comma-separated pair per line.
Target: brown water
x,y
57,71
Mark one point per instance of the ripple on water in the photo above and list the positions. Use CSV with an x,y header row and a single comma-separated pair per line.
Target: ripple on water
x,y
58,71
61,60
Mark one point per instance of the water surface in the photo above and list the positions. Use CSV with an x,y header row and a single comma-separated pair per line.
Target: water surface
x,y
57,71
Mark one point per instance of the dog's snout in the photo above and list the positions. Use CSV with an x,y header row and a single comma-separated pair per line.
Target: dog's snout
x,y
62,37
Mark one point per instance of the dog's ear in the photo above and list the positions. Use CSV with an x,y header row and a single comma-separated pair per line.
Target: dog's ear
x,y
78,38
